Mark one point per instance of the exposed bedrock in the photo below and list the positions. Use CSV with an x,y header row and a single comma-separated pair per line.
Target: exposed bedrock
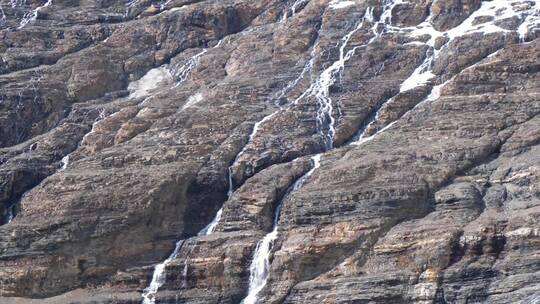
x,y
388,149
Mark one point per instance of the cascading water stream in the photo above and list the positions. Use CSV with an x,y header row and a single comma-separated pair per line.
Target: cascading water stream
x,y
32,16
320,89
210,228
12,210
181,73
260,265
298,4
423,75
159,276
2,15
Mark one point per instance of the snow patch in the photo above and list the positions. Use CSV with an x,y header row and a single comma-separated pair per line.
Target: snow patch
x,y
193,100
149,82
524,232
337,4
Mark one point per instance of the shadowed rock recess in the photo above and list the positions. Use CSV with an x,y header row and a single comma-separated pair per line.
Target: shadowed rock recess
x,y
269,151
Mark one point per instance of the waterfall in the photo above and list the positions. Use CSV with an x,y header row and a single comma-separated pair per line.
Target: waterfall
x,y
298,4
10,215
32,16
65,162
260,265
12,210
2,15
320,89
423,75
101,117
182,72
159,276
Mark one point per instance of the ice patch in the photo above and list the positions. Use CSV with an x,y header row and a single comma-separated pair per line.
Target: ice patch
x,y
524,232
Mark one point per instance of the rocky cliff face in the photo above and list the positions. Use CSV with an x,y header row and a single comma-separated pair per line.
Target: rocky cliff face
x,y
308,151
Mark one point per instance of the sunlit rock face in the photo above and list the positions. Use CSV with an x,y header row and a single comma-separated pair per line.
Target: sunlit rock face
x,y
238,151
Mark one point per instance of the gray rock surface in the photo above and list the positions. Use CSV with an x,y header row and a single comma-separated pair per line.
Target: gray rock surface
x,y
126,126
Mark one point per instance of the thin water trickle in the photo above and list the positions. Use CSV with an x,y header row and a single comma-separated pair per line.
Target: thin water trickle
x,y
2,15
320,88
182,72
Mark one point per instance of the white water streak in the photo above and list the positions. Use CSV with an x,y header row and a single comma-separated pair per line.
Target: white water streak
x,y
11,211
423,75
260,265
182,72
320,89
2,15
101,117
159,276
32,16
293,10
192,100
65,163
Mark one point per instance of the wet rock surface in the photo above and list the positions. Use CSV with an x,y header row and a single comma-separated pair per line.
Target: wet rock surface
x,y
126,126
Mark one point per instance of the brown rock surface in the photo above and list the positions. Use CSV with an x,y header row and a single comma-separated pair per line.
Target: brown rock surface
x,y
126,126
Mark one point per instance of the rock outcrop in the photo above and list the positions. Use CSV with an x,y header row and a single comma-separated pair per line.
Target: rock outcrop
x,y
308,151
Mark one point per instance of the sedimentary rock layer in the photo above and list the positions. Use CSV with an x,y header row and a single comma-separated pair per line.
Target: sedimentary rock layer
x,y
307,151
